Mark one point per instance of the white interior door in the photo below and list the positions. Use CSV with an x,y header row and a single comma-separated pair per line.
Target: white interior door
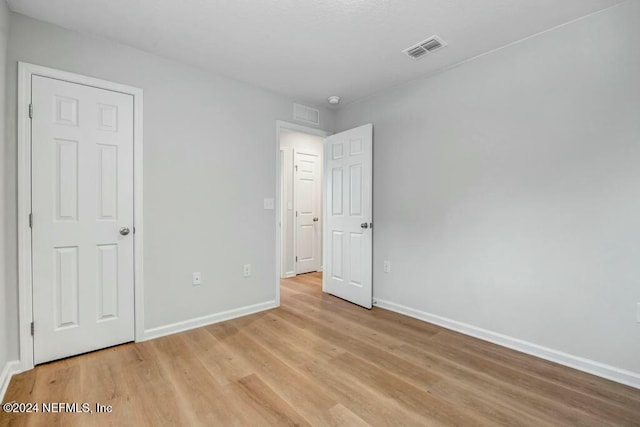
x,y
82,205
348,243
308,201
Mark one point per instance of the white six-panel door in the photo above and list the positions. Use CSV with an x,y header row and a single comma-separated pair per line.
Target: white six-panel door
x,y
82,198
348,219
308,196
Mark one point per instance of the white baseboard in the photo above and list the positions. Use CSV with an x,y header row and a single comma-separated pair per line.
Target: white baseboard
x,y
206,320
590,366
10,369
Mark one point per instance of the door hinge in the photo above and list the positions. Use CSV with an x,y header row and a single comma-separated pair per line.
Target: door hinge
x,y
296,213
30,220
31,111
32,329
296,168
296,259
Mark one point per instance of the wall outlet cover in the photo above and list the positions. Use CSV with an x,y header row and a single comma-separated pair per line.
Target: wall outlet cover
x,y
269,204
246,270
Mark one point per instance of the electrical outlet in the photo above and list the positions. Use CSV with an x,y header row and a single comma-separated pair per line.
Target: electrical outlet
x,y
196,278
269,204
246,270
387,267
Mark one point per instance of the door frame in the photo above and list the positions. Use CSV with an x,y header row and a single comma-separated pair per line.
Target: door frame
x,y
25,283
280,124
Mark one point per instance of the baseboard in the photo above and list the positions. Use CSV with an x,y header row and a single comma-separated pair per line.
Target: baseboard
x,y
206,320
10,369
590,366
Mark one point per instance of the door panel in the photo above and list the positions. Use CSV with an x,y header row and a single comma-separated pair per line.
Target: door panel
x,y
349,202
308,200
337,245
355,190
107,282
82,194
337,186
65,276
108,181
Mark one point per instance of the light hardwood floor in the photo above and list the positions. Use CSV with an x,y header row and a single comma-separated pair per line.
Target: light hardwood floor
x,y
319,360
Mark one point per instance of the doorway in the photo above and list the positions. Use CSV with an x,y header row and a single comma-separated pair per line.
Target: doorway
x,y
330,234
301,202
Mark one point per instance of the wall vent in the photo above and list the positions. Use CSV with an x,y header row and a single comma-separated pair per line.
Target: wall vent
x,y
421,49
302,113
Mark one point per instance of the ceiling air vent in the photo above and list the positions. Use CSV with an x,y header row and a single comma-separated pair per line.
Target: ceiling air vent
x,y
306,114
429,45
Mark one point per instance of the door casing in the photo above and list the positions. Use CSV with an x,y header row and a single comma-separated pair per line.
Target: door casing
x,y
25,287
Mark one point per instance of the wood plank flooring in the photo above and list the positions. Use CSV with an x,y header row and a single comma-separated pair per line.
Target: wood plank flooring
x,y
319,360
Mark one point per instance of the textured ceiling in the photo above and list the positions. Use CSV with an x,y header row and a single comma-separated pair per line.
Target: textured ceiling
x,y
310,49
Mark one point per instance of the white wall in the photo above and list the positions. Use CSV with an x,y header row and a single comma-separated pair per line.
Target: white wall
x,y
507,189
5,354
209,160
505,195
289,141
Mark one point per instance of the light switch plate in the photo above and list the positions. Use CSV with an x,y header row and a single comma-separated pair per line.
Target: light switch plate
x,y
387,266
269,204
197,279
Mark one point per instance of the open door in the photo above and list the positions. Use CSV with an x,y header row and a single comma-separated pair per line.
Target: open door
x,y
348,242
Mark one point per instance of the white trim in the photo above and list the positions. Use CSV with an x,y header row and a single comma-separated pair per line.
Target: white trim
x,y
294,219
278,217
580,363
283,272
210,319
10,369
25,290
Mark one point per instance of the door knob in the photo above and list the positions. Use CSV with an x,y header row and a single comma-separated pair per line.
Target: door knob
x,y
364,225
124,231
315,219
